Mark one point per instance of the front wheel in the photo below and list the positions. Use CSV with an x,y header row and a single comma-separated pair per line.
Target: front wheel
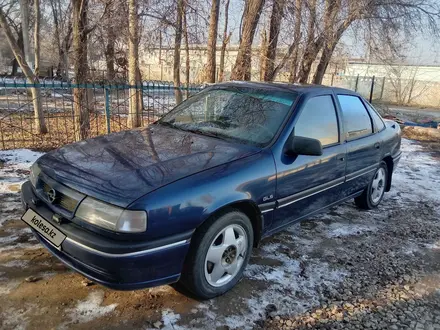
x,y
373,194
219,253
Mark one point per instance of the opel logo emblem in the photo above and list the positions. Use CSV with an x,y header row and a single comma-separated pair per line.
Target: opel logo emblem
x,y
51,195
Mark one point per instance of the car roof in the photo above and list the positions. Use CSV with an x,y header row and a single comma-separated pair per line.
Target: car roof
x,y
291,87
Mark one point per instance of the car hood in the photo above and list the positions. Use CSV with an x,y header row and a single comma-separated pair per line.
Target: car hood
x,y
122,167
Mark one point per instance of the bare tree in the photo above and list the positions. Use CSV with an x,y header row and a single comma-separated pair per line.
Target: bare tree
x,y
37,36
135,110
274,31
187,61
80,44
263,50
212,42
251,16
24,10
40,124
225,41
177,47
296,41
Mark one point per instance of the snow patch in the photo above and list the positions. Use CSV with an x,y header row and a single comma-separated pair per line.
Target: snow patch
x,y
14,171
341,230
90,309
169,319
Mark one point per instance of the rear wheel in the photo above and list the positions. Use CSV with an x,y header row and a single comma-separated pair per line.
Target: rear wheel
x,y
373,194
219,253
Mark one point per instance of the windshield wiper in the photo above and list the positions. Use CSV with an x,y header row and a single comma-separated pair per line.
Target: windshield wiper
x,y
207,133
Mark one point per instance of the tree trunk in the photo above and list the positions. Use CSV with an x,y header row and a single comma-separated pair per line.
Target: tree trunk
x,y
24,14
311,49
177,46
187,62
263,50
20,46
212,42
328,50
110,53
80,108
37,36
40,124
134,115
274,32
296,37
326,55
225,42
251,16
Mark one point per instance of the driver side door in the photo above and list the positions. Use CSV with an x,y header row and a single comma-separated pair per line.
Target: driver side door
x,y
309,183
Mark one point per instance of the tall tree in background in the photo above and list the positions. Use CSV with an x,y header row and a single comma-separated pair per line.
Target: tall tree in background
x,y
24,14
310,45
110,41
187,60
177,47
40,124
225,41
251,16
296,37
37,36
212,42
80,45
135,114
274,32
263,50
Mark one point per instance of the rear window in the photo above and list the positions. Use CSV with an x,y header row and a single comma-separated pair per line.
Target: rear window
x,y
357,121
377,119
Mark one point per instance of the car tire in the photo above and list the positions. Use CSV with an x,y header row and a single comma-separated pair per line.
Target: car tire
x,y
374,192
219,252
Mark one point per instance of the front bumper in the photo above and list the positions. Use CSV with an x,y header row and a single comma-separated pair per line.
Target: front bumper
x,y
147,266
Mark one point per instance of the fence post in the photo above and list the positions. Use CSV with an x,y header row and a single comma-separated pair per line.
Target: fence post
x,y
107,108
356,85
333,77
372,89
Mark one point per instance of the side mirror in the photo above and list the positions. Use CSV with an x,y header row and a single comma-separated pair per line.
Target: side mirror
x,y
299,145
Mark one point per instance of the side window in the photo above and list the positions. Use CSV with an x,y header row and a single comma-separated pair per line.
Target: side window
x,y
318,120
357,121
377,119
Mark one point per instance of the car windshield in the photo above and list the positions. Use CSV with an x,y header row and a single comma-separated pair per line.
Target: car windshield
x,y
246,115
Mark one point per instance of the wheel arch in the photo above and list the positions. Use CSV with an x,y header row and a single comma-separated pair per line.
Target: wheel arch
x,y
390,166
247,207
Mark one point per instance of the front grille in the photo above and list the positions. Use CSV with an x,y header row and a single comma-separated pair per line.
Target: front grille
x,y
62,200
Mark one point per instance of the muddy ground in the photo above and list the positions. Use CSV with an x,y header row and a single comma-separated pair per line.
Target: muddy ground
x,y
347,269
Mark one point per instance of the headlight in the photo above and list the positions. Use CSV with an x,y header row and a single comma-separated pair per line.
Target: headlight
x,y
35,172
111,217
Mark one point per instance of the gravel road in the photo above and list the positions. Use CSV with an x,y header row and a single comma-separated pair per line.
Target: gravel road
x,y
345,269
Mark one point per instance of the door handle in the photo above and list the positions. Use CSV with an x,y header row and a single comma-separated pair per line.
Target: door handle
x,y
377,145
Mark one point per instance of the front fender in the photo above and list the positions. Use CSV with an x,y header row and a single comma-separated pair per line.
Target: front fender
x,y
186,203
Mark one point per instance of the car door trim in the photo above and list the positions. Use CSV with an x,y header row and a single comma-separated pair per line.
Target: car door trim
x,y
361,172
309,192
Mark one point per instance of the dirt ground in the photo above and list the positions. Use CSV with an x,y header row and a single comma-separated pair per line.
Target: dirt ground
x,y
345,269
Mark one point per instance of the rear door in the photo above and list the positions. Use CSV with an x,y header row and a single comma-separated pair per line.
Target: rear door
x,y
363,145
308,183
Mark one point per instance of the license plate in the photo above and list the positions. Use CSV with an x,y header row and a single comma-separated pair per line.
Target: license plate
x,y
43,227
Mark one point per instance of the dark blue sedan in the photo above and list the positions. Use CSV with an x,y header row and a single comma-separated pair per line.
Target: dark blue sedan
x,y
187,198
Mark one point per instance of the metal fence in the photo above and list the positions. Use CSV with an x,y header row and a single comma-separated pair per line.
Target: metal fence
x,y
108,107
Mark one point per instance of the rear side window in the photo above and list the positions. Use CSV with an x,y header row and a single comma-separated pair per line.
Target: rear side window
x,y
377,119
357,121
318,120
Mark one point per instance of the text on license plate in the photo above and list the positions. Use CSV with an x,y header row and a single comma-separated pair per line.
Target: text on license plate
x,y
43,227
